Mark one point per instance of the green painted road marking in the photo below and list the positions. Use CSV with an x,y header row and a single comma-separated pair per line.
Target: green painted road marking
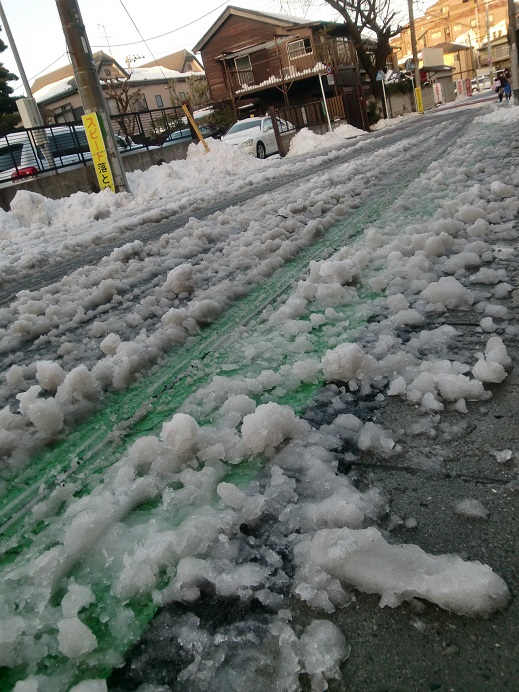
x,y
143,408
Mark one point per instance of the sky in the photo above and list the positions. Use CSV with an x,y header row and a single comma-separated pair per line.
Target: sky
x,y
111,26
350,302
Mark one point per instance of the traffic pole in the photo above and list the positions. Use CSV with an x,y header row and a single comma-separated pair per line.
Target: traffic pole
x,y
89,86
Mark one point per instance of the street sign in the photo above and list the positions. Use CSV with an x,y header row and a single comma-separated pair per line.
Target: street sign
x,y
409,65
328,69
330,78
380,76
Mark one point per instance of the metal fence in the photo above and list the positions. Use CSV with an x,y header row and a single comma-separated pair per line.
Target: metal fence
x,y
26,153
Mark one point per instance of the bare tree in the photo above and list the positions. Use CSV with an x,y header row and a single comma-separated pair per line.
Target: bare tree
x,y
371,23
123,93
126,98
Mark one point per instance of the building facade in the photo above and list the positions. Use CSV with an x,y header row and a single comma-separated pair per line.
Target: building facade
x,y
125,89
481,27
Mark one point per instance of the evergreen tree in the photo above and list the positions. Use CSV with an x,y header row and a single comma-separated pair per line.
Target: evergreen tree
x,y
9,116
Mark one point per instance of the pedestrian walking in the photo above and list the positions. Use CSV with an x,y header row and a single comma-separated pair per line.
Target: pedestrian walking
x,y
507,89
503,82
496,86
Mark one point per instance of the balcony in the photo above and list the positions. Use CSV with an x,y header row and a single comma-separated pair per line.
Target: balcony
x,y
262,67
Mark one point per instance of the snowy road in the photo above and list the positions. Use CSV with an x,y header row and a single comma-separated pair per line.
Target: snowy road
x,y
166,438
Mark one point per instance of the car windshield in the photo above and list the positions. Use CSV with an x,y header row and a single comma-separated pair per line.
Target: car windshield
x,y
179,134
243,125
10,157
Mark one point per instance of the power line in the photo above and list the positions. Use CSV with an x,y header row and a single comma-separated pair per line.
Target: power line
x,y
42,71
143,40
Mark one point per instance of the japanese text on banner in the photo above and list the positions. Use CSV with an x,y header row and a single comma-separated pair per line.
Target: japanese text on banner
x,y
98,150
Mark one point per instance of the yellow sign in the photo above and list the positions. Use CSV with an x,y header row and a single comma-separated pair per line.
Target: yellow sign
x,y
97,146
418,97
195,126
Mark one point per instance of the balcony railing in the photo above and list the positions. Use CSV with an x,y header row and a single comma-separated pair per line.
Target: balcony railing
x,y
273,71
286,67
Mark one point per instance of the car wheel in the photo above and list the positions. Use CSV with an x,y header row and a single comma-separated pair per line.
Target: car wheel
x,y
261,152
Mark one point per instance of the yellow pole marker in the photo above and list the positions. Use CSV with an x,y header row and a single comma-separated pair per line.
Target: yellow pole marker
x,y
195,126
419,102
100,155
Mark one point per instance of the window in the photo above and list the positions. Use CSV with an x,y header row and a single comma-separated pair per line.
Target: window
x,y
138,103
344,53
244,70
188,67
107,72
181,95
296,49
63,114
159,101
436,35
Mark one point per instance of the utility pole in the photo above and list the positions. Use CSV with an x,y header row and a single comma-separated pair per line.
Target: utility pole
x,y
417,80
489,47
89,86
512,39
27,107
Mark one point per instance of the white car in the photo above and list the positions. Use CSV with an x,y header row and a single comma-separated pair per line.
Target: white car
x,y
256,135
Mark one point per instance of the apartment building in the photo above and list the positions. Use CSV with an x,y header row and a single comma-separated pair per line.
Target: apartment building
x,y
477,28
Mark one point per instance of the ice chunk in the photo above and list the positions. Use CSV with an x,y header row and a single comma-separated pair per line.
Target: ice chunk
x,y
488,372
180,280
449,292
363,559
76,598
471,509
323,648
269,426
75,638
90,686
231,495
180,434
347,362
11,628
503,455
49,374
110,344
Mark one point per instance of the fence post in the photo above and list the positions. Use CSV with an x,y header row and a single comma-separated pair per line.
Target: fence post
x,y
277,134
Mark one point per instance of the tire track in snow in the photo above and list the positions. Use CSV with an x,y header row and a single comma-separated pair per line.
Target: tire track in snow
x,y
98,442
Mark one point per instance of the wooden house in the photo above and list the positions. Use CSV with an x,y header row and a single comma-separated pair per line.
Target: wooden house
x,y
254,60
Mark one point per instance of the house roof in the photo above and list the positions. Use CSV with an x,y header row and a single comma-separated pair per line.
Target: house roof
x,y
451,47
49,92
68,71
158,73
138,75
267,17
176,61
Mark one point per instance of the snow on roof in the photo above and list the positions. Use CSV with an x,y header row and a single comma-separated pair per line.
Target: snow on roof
x,y
61,87
139,74
142,74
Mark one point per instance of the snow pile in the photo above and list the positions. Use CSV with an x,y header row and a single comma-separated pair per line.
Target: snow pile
x,y
305,141
383,123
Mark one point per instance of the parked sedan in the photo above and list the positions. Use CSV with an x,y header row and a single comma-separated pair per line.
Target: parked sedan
x,y
256,135
185,134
